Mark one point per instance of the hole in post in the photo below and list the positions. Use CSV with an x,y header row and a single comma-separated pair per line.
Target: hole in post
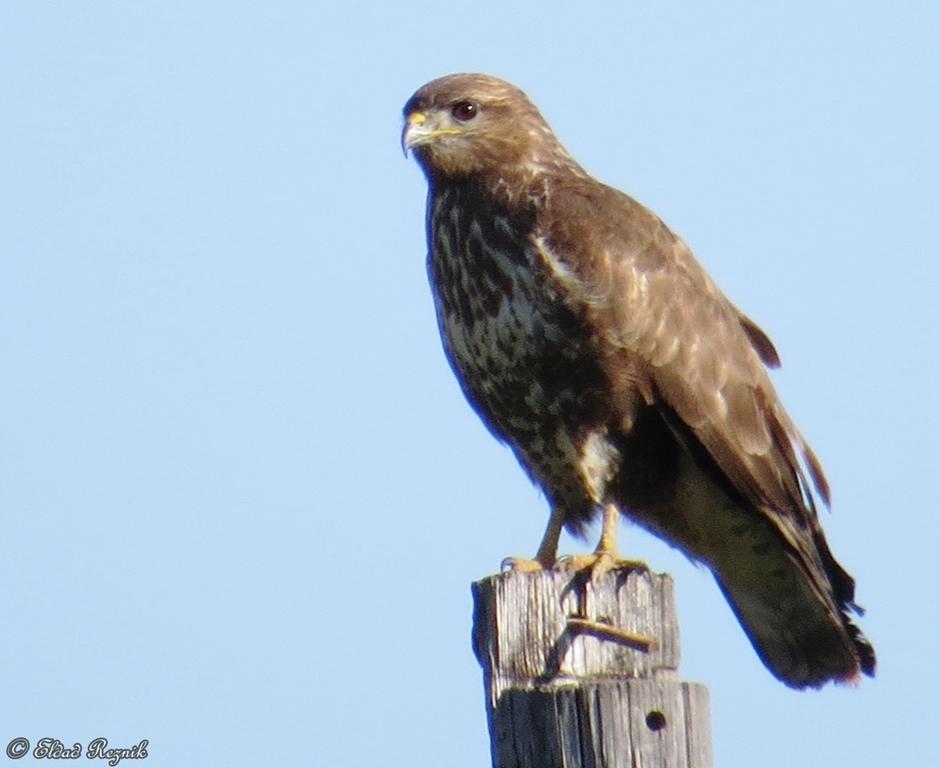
x,y
655,720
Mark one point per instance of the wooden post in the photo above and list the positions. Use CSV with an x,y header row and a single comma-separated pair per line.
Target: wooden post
x,y
582,673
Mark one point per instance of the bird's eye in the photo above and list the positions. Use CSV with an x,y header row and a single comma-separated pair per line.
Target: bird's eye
x,y
464,111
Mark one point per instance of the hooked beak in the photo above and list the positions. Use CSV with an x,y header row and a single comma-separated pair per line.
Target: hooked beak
x,y
419,130
414,131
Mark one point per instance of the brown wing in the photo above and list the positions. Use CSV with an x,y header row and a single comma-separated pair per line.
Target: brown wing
x,y
669,339
679,341
764,346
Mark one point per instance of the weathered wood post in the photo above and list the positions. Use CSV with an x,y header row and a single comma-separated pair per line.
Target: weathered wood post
x,y
582,673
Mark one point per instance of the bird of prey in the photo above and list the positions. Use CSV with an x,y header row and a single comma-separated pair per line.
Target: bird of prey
x,y
589,339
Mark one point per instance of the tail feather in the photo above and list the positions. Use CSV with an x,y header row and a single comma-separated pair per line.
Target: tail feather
x,y
792,598
804,634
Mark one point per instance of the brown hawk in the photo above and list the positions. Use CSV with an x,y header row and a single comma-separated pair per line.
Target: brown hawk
x,y
589,339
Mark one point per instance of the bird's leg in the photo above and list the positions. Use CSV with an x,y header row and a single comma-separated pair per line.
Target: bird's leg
x,y
607,546
605,556
548,549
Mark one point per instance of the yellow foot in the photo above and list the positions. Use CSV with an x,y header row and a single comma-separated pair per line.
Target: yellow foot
x,y
599,563
524,565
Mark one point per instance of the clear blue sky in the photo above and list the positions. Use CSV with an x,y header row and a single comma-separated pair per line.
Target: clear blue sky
x,y
242,498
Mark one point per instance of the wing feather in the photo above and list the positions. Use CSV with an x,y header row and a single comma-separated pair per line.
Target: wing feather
x,y
657,313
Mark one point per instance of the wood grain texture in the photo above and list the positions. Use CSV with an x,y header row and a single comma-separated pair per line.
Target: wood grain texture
x,y
566,698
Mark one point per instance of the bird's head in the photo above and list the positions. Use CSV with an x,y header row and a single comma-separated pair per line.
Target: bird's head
x,y
460,125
